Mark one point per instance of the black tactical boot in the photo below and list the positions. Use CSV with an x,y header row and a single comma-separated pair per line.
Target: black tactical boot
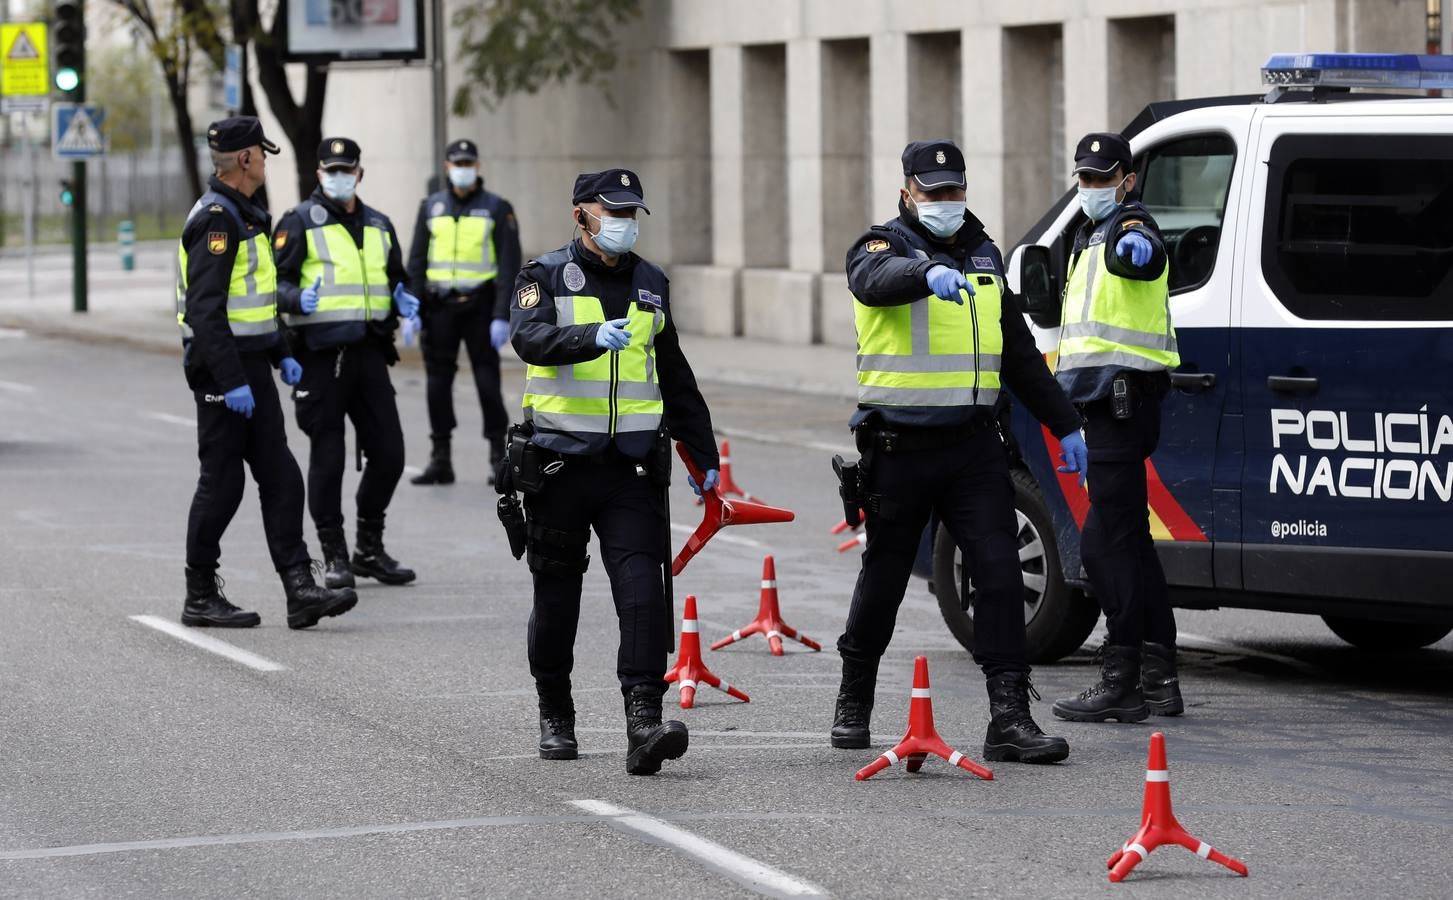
x,y
1013,735
557,722
854,706
307,602
371,561
1158,680
496,458
1116,696
205,606
439,470
337,573
649,740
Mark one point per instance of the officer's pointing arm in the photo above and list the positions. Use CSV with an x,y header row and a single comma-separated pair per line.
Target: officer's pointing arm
x,y
687,417
507,257
211,242
1133,222
419,254
883,272
290,251
533,332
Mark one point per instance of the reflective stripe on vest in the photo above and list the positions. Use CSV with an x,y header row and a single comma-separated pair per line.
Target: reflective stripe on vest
x,y
251,294
611,394
461,252
931,352
1113,321
355,282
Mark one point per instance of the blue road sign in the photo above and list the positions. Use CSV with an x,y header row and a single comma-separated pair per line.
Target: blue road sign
x,y
232,78
76,131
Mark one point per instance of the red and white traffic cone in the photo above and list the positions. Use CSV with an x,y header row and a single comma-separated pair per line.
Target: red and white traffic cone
x,y
858,540
726,481
922,738
689,670
720,513
1158,825
842,526
769,618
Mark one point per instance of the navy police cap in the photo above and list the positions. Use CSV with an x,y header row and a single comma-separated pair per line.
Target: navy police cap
x,y
339,153
238,133
462,151
613,188
934,164
1100,152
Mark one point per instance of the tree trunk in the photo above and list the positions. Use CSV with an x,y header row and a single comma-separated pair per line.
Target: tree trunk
x,y
185,140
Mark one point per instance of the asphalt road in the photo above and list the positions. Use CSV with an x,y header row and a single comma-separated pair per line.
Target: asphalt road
x,y
390,752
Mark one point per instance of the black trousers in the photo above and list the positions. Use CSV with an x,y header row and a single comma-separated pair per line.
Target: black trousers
x,y
445,326
628,515
225,440
1115,545
349,382
968,485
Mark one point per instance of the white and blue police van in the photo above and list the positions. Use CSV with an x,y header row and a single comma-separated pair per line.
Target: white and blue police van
x,y
1306,459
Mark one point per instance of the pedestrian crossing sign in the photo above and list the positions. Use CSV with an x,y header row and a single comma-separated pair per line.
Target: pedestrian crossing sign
x,y
76,131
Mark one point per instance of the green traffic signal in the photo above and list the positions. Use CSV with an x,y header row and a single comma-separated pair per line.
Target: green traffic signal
x,y
67,79
68,196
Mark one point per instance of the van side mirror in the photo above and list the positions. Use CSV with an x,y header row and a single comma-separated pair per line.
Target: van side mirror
x,y
1038,288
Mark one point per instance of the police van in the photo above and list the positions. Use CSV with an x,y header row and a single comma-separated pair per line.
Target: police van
x,y
1306,459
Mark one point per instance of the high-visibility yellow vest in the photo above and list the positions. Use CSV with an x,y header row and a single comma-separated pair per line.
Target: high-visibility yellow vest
x,y
252,291
614,393
932,352
461,252
1113,321
354,280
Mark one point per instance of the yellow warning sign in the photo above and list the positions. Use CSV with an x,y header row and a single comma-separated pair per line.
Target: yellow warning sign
x,y
24,64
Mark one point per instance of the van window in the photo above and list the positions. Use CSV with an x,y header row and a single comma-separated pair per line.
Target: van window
x,y
1184,184
1360,227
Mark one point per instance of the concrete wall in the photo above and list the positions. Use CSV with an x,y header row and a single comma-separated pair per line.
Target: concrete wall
x,y
768,134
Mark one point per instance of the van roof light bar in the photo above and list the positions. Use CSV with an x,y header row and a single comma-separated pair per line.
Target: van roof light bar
x,y
1343,71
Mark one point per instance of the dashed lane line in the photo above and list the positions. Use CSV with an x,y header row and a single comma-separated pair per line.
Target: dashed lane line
x,y
170,419
210,644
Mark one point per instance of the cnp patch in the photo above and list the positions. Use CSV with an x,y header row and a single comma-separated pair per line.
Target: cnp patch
x,y
216,242
318,214
875,246
528,296
574,277
982,262
280,241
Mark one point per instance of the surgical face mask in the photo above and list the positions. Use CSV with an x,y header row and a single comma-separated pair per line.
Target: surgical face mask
x,y
463,177
616,236
1100,202
942,218
339,185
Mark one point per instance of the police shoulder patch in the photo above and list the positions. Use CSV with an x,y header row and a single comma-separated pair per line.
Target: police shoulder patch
x,y
1131,223
216,242
875,246
280,241
528,296
215,208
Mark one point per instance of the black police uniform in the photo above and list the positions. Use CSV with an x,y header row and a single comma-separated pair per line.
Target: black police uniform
x,y
1116,546
217,361
612,483
345,374
949,460
450,318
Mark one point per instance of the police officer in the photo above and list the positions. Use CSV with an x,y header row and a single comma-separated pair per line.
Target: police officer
x,y
938,340
463,263
606,373
1116,346
227,309
340,279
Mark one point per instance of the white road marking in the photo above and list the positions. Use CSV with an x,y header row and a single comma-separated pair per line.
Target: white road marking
x,y
1186,639
12,333
762,437
210,644
748,872
16,387
701,732
170,419
724,538
413,470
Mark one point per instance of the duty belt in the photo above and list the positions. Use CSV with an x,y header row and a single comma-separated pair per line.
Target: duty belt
x,y
910,440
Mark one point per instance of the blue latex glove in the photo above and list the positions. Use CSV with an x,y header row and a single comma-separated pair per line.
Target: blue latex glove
x,y
239,400
612,335
309,297
499,333
946,284
292,371
1075,454
709,482
1137,247
407,303
408,328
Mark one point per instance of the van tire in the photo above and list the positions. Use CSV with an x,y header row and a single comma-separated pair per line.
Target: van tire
x,y
1063,617
1373,635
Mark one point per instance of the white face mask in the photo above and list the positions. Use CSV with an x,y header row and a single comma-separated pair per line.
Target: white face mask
x,y
942,218
1098,203
339,186
616,236
463,177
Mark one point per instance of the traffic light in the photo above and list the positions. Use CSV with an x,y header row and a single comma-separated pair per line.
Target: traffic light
x,y
68,193
68,43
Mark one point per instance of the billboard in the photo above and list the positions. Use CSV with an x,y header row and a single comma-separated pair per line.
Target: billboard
x,y
326,31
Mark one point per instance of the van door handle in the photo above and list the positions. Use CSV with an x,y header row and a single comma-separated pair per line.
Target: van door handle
x,y
1292,384
1193,382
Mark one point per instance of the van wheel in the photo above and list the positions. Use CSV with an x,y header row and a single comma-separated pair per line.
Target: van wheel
x,y
1057,618
1370,635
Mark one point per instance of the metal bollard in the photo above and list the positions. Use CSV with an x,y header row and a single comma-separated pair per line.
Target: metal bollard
x,y
126,237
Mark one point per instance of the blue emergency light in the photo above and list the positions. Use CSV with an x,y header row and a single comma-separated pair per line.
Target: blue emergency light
x,y
1366,70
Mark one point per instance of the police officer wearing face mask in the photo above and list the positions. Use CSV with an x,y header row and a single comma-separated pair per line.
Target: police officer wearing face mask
x,y
938,340
607,382
1116,346
463,263
227,310
340,282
